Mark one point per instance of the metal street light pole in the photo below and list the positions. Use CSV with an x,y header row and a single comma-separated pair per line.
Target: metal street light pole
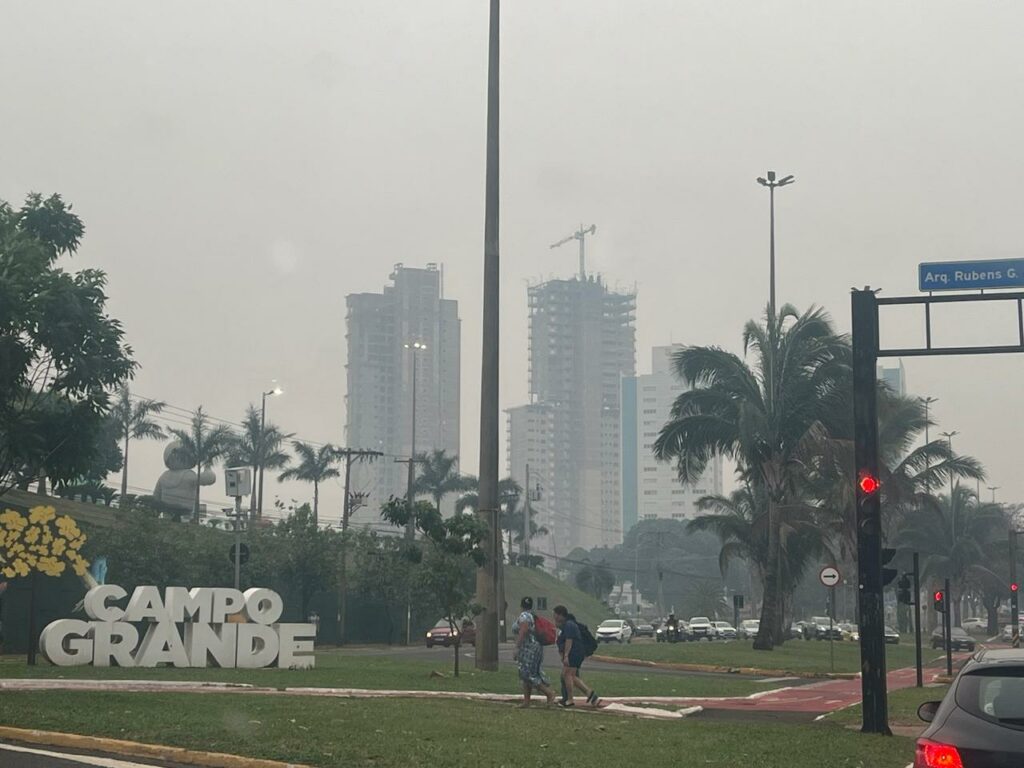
x,y
488,575
262,448
410,528
771,183
993,488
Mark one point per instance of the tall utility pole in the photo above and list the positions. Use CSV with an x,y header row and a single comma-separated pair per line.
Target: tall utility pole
x,y
580,234
488,575
771,184
524,550
351,456
1014,605
274,392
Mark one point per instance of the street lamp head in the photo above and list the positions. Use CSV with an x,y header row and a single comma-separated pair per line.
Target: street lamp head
x,y
762,181
771,175
415,345
787,180
274,392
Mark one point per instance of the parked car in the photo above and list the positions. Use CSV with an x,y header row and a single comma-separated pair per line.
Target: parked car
x,y
748,628
975,625
724,630
442,634
979,722
701,629
892,637
958,640
614,630
824,629
850,632
796,630
644,630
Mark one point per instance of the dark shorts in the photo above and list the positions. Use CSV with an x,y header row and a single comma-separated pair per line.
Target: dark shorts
x,y
576,661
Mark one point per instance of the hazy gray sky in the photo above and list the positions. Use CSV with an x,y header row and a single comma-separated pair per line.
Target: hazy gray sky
x,y
241,166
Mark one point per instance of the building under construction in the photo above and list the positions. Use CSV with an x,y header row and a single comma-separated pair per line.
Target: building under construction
x,y
582,342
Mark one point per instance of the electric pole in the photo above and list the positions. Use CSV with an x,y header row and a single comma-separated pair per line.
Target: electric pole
x,y
351,456
489,573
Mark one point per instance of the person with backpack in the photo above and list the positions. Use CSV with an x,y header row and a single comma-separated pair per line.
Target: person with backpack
x,y
529,653
575,643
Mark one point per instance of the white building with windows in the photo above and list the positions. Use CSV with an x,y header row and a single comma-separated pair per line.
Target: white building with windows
x,y
650,488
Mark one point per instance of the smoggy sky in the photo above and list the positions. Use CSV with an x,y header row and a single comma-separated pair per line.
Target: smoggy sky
x,y
242,166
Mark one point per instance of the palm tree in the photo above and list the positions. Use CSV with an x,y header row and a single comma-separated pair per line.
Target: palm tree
x,y
315,465
763,417
134,423
256,448
956,537
596,580
439,476
740,521
510,518
203,444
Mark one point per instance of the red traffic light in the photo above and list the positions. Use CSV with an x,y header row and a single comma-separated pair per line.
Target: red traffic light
x,y
939,597
868,483
1014,587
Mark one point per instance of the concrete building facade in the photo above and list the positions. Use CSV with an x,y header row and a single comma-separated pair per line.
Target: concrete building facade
x,y
650,488
582,342
380,377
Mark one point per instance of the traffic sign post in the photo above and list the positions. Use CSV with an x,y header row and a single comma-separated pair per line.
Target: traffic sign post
x,y
829,576
970,275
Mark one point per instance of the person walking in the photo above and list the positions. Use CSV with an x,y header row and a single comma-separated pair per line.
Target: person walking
x,y
573,652
529,656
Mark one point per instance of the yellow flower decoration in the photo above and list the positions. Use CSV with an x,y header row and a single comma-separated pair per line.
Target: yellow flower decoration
x,y
41,514
40,542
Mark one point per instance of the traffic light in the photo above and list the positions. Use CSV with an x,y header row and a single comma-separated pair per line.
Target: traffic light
x,y
868,483
903,590
1014,587
940,601
888,574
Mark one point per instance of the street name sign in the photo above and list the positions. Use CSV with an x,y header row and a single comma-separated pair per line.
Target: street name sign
x,y
970,275
829,576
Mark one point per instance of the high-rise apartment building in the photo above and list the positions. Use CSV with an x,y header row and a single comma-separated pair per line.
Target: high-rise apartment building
x,y
582,342
650,488
382,327
894,377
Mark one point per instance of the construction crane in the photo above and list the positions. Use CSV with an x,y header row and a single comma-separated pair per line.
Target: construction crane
x,y
580,235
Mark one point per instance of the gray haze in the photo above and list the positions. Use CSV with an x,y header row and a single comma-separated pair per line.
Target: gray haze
x,y
241,166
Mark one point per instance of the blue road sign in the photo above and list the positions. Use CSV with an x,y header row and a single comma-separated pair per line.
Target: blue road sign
x,y
971,275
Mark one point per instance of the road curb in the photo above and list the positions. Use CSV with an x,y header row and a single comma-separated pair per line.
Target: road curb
x,y
751,671
138,749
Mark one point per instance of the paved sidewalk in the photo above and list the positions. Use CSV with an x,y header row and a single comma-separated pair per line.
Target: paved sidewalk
x,y
812,699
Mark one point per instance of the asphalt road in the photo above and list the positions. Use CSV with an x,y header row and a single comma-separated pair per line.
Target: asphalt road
x,y
440,654
26,756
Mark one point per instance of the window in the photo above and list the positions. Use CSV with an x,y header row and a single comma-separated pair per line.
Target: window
x,y
650,493
650,410
542,604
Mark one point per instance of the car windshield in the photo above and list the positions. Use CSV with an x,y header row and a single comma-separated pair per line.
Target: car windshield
x,y
958,632
611,624
820,619
699,620
994,694
890,631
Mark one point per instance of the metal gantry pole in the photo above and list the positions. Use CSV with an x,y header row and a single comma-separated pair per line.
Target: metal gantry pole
x,y
869,518
917,620
1014,599
947,629
238,541
488,574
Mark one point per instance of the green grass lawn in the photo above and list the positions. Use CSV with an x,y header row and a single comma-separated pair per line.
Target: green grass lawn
x,y
342,669
336,732
903,706
795,655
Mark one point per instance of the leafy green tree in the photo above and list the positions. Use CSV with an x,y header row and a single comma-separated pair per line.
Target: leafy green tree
x,y
596,580
134,422
383,572
763,416
258,445
315,465
61,354
308,556
204,444
510,495
438,476
447,554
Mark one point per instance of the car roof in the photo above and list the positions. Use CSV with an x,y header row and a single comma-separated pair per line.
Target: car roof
x,y
996,657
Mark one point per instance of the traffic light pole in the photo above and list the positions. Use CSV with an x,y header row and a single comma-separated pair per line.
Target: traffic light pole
x,y
869,518
917,620
1014,604
947,629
